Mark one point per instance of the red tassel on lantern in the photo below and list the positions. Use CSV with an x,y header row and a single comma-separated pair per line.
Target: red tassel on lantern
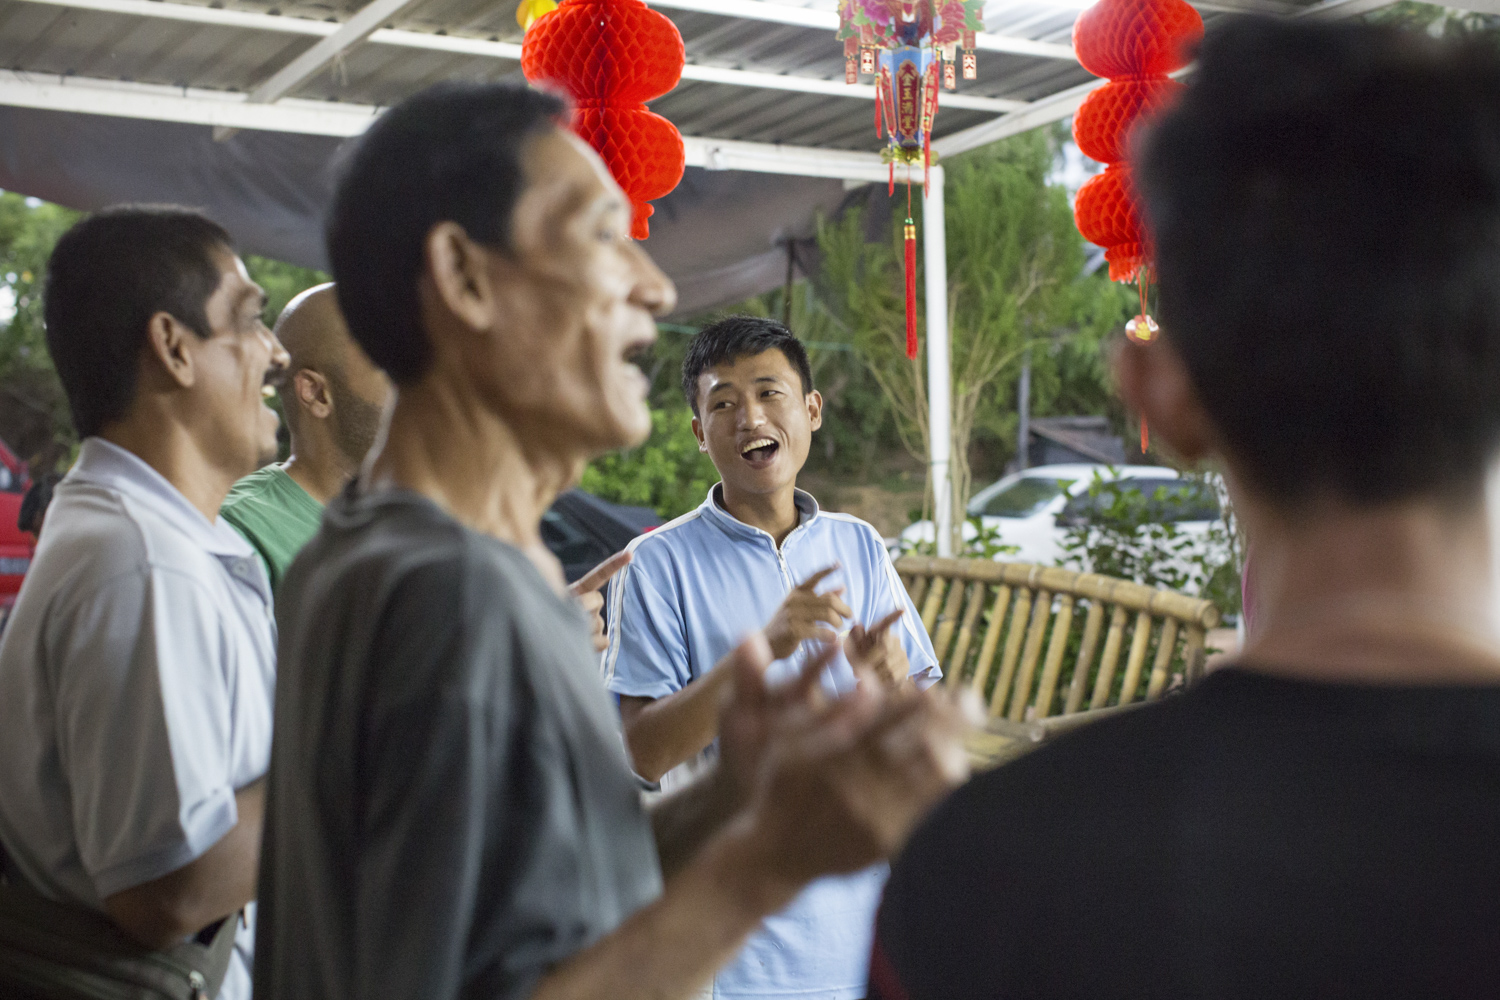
x,y
1143,329
911,289
612,56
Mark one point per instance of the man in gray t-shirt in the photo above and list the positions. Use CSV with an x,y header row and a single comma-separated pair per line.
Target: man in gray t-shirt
x,y
450,813
445,699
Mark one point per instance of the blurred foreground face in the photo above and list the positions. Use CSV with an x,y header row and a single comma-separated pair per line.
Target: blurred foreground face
x,y
575,300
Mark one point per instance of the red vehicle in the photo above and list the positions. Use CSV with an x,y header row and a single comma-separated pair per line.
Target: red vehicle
x,y
16,546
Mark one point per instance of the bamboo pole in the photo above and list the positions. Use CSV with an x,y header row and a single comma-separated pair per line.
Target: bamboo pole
x,y
1092,625
1034,635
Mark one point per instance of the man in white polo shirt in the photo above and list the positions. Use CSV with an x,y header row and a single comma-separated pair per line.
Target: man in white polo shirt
x,y
137,672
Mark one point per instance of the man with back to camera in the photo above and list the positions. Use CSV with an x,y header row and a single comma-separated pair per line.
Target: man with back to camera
x,y
333,397
138,668
450,812
1320,817
754,555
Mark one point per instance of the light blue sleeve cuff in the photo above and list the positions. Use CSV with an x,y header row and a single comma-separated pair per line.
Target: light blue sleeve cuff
x,y
926,677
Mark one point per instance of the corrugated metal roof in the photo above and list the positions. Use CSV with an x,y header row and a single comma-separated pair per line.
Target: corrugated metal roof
x,y
72,38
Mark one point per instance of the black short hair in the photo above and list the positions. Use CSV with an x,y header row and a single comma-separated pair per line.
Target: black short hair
x,y
1326,207
739,337
450,153
106,278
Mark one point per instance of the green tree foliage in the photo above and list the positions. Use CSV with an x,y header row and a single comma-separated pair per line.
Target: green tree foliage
x,y
34,419
1016,288
668,473
282,282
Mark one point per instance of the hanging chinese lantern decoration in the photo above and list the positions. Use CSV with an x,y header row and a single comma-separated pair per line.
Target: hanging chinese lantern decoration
x,y
611,57
909,46
1135,44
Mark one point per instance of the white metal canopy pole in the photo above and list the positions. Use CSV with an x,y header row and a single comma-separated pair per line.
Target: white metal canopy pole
x,y
939,369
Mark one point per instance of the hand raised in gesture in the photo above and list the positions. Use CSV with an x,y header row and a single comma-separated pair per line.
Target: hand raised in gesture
x,y
586,591
806,614
877,651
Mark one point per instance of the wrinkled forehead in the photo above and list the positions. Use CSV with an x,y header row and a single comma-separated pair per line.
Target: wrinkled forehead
x,y
235,286
565,179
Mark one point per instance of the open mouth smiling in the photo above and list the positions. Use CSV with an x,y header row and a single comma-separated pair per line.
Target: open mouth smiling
x,y
272,381
759,451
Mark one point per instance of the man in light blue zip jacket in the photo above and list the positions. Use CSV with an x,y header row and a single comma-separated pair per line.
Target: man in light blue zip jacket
x,y
759,554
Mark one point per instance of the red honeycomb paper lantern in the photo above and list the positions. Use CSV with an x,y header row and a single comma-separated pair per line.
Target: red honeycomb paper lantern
x,y
1107,216
1135,43
1116,38
611,57
1102,124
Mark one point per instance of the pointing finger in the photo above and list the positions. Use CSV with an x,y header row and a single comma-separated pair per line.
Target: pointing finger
x,y
812,670
812,582
837,603
600,574
885,623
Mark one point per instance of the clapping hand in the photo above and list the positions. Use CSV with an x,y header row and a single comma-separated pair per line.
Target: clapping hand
x,y
806,614
586,591
834,785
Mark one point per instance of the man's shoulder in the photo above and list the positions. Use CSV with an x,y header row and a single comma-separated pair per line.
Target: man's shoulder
x,y
682,535
1081,804
1125,744
848,534
377,539
848,526
399,548
268,496
254,485
95,534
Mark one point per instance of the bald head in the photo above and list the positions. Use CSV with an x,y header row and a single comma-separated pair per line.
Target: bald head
x,y
330,384
312,330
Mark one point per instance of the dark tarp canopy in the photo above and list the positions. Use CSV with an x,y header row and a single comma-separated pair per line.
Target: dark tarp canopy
x,y
721,235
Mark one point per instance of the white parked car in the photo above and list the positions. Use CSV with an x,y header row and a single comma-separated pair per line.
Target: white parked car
x,y
1032,509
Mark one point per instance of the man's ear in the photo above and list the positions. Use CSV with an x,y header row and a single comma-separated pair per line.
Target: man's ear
x,y
815,409
698,433
168,344
1154,382
456,270
313,395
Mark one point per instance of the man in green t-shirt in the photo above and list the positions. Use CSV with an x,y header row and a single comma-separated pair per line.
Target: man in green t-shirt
x,y
332,396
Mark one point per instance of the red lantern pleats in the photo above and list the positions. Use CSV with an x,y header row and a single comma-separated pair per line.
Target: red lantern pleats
x,y
1102,124
1121,38
611,57
1105,209
1135,43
